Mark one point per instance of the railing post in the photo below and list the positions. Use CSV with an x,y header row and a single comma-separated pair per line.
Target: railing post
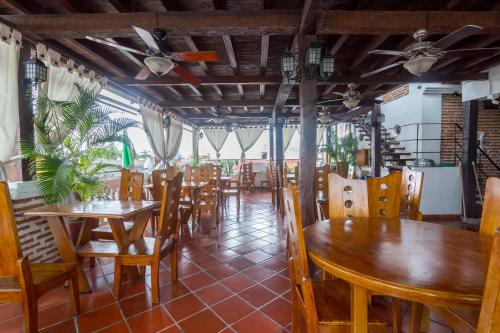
x,y
454,143
418,130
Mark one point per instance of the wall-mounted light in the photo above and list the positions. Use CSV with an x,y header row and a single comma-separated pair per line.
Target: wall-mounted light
x,y
289,66
35,71
312,60
327,67
316,66
166,121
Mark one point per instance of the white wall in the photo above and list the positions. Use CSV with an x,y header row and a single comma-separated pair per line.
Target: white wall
x,y
483,89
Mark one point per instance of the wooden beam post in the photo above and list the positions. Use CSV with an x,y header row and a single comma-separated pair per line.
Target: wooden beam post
x,y
278,150
469,156
26,112
376,153
307,160
271,143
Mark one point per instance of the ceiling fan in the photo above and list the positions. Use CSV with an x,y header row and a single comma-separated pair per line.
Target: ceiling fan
x,y
218,117
351,98
421,55
159,58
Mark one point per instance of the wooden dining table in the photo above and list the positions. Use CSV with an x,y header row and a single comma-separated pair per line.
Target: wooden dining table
x,y
116,212
417,261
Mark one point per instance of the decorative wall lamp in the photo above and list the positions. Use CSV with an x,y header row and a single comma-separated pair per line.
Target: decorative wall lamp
x,y
35,71
318,64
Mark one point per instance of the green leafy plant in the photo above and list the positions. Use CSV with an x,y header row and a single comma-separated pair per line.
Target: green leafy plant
x,y
69,139
343,149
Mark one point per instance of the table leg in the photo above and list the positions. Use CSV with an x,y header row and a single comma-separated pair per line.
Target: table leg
x,y
140,224
122,240
359,309
67,250
415,317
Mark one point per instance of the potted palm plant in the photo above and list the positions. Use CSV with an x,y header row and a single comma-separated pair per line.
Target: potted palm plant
x,y
70,140
343,152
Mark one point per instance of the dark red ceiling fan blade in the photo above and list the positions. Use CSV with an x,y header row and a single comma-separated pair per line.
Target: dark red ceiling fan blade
x,y
143,74
381,69
386,52
457,36
487,52
207,56
186,75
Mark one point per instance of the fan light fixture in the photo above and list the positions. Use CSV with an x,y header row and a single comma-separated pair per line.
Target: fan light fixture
x,y
351,103
159,65
420,64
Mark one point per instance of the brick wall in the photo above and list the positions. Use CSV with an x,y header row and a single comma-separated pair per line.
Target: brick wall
x,y
488,122
397,93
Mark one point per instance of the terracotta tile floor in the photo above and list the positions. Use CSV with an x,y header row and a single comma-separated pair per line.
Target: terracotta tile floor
x,y
233,280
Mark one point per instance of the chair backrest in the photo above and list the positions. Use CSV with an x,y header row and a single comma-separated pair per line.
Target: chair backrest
x,y
347,197
351,173
489,317
196,174
10,248
169,219
205,172
247,171
159,179
490,219
321,178
411,192
384,195
187,172
131,185
296,172
298,264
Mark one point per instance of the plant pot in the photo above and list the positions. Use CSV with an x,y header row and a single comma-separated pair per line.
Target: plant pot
x,y
342,169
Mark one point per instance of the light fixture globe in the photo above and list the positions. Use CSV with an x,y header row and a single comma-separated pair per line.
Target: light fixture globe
x,y
420,64
351,103
159,65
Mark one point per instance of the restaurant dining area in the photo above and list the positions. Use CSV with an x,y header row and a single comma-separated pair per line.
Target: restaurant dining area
x,y
257,166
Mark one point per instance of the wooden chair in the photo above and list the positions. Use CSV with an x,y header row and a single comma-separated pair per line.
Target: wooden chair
x,y
160,177
272,177
411,192
267,182
384,195
324,305
321,178
465,320
24,282
234,189
248,179
281,179
150,251
347,197
131,189
351,172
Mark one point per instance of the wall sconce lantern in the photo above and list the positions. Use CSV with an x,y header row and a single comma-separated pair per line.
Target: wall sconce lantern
x,y
289,66
312,60
200,135
166,121
327,66
35,71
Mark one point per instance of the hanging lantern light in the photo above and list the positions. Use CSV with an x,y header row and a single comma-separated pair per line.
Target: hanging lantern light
x,y
35,71
166,121
327,66
200,135
289,65
312,60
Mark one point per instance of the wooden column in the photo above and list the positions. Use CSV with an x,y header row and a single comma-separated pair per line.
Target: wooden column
x,y
26,112
307,161
376,153
278,150
469,156
271,143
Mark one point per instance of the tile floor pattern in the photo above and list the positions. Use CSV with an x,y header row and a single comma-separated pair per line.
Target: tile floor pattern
x,y
233,280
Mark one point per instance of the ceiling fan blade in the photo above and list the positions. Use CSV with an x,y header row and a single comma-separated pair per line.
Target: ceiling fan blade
x,y
386,52
381,69
486,52
338,93
146,37
186,75
143,74
118,46
374,93
330,101
208,56
457,36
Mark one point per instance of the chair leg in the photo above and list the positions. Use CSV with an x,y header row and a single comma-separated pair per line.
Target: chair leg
x,y
153,225
415,317
155,283
92,262
117,279
142,271
75,295
173,264
396,315
30,311
238,202
296,317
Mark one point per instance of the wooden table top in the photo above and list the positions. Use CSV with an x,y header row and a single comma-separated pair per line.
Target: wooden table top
x,y
413,260
111,209
185,185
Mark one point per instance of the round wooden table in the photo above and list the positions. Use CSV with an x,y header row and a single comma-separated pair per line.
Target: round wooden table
x,y
417,261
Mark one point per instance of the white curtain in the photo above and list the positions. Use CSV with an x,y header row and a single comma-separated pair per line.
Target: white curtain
x,y
247,138
196,142
288,133
216,137
173,136
10,43
319,134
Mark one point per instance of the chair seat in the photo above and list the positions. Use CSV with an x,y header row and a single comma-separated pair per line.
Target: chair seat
x,y
106,228
42,273
333,303
98,248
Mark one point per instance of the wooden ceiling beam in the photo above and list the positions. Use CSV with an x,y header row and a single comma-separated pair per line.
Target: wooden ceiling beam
x,y
232,60
205,80
264,52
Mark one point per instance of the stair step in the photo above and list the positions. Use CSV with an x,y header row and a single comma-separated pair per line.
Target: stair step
x,y
397,153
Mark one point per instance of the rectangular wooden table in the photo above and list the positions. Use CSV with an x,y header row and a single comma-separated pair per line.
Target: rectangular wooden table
x,y
116,212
